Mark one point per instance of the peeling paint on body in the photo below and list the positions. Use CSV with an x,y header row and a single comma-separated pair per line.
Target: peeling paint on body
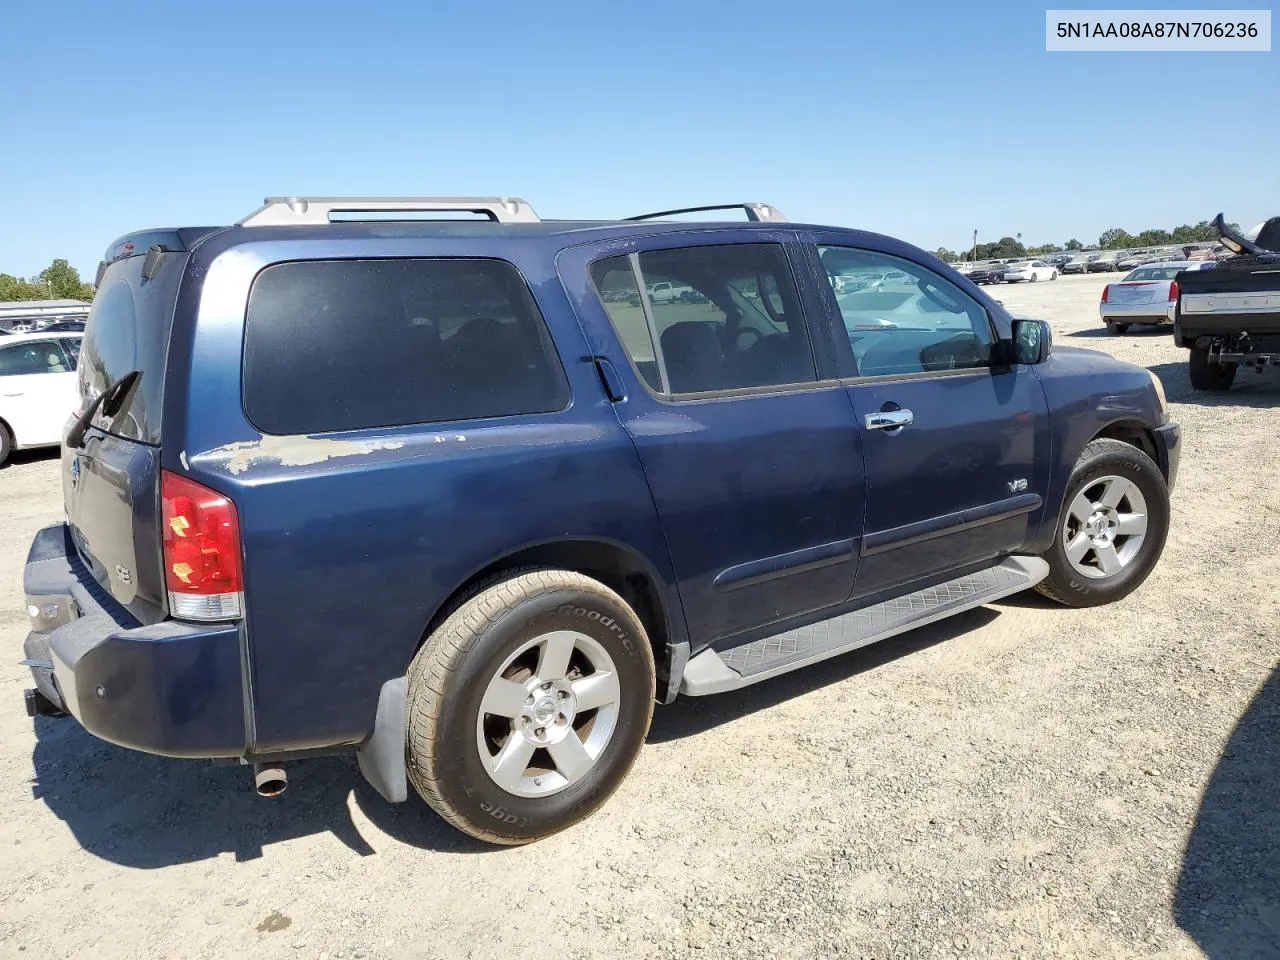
x,y
294,451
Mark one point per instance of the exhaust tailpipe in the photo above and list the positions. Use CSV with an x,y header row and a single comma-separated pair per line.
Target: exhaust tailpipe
x,y
269,779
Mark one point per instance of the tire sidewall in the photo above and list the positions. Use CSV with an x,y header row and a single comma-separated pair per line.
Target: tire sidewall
x,y
461,776
1134,465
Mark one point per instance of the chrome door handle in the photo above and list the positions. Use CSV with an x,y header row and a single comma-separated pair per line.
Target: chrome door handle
x,y
889,419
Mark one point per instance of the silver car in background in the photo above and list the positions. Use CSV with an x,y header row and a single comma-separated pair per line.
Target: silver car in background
x,y
1146,295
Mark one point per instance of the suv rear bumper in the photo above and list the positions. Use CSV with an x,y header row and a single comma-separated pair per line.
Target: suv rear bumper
x,y
168,688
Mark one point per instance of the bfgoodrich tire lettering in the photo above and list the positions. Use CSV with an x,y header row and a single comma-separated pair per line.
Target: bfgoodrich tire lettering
x,y
455,671
1104,460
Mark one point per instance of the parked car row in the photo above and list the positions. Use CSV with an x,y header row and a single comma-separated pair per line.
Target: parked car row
x,y
1091,261
47,326
1011,271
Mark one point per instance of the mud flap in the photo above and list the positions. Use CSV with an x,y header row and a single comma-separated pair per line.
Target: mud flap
x,y
381,757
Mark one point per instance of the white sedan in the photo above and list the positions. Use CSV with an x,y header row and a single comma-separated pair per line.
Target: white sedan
x,y
1032,270
38,389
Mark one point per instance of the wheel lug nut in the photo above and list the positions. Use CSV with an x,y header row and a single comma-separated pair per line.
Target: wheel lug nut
x,y
537,781
540,732
563,694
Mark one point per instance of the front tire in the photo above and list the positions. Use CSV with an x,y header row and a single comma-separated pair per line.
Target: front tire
x,y
1208,374
1114,522
6,443
528,705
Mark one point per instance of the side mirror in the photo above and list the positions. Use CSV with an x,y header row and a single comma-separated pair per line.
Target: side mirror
x,y
1032,340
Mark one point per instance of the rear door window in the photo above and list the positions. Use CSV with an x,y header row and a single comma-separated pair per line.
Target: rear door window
x,y
712,318
350,344
71,347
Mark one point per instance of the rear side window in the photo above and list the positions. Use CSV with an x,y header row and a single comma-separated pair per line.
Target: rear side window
x,y
33,356
350,344
709,318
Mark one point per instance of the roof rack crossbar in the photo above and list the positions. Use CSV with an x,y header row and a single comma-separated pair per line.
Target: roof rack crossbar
x,y
755,211
281,211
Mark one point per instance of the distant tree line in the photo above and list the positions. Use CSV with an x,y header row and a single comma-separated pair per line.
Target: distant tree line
x,y
58,281
1114,239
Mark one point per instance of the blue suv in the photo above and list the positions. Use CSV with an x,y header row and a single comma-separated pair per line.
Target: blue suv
x,y
466,499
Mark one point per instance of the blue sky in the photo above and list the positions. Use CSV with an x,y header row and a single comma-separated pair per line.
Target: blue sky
x,y
920,120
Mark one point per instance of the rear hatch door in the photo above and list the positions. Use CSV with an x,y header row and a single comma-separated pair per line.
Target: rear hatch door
x,y
111,482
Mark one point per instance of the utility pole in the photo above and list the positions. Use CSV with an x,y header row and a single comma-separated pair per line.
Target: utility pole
x,y
975,244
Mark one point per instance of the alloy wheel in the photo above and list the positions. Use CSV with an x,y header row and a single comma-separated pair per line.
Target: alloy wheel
x,y
1105,527
548,714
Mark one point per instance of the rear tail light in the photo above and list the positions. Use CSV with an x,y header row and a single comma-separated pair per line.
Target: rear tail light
x,y
1173,289
1106,292
202,569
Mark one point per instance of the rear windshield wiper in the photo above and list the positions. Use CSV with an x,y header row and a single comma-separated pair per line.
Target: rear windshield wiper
x,y
110,400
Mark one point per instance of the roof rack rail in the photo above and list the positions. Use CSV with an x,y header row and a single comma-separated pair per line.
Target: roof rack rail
x,y
284,211
755,211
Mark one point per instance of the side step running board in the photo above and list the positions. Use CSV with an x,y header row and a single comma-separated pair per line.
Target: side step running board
x,y
717,672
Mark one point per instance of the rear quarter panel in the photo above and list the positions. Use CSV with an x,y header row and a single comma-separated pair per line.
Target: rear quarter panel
x,y
354,540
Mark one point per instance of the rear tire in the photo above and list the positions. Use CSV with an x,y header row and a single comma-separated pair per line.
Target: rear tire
x,y
528,705
1112,529
1208,374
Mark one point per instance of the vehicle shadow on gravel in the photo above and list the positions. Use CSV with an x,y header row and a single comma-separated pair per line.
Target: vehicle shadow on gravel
x,y
693,715
1257,391
138,810
1228,894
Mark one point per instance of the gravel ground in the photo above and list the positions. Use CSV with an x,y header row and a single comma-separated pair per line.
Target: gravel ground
x,y
1021,781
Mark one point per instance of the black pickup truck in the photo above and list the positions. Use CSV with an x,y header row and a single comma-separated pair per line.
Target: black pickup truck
x,y
1230,316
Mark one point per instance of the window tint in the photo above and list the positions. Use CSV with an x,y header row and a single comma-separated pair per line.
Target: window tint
x,y
723,317
38,356
615,282
346,344
919,323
